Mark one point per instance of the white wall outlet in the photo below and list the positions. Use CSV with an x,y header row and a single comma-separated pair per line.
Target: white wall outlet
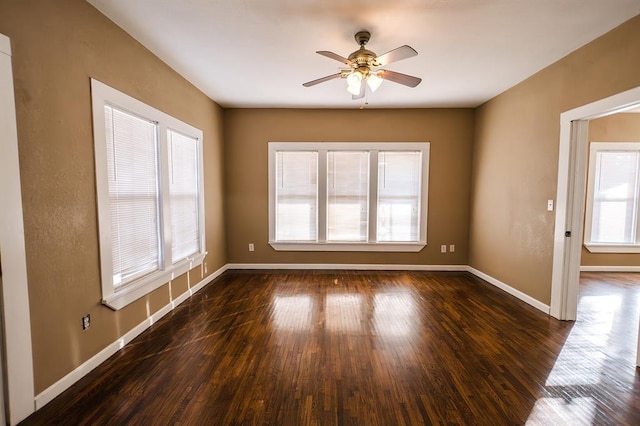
x,y
443,248
452,248
251,247
86,321
549,205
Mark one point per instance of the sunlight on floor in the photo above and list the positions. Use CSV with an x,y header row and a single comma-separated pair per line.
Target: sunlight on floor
x,y
579,365
343,312
394,314
560,411
292,313
584,352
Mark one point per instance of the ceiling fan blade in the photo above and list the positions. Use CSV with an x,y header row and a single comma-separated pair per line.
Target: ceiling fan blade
x,y
402,52
321,80
363,86
396,77
334,56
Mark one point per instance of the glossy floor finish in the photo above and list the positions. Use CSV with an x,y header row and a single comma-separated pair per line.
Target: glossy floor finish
x,y
369,348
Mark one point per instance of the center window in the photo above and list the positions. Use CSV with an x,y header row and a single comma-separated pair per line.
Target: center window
x,y
348,196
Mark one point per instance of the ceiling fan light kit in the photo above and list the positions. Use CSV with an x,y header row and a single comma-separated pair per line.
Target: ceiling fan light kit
x,y
365,68
354,82
374,81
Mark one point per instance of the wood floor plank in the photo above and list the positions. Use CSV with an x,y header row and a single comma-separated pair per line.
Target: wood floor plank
x,y
359,347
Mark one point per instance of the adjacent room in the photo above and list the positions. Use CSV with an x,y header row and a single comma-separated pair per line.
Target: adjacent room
x,y
320,212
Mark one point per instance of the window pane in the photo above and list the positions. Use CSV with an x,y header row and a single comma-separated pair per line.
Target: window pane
x,y
615,197
296,196
183,190
347,196
399,175
133,194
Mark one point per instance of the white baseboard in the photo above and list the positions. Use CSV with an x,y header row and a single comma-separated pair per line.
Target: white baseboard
x,y
347,266
374,267
512,291
64,383
609,268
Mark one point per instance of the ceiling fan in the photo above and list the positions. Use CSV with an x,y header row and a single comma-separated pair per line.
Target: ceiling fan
x,y
365,67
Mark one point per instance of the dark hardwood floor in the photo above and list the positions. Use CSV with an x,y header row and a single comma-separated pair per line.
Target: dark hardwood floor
x,y
369,348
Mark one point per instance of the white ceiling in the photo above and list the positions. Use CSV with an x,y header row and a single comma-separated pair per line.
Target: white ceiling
x,y
257,53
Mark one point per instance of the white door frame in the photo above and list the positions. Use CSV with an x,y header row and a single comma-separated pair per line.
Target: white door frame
x,y
570,198
18,377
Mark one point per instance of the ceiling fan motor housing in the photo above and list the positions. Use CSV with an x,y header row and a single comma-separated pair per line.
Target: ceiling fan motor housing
x,y
363,59
362,37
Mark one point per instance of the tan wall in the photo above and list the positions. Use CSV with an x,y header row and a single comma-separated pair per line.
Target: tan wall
x,y
515,157
614,128
247,133
57,46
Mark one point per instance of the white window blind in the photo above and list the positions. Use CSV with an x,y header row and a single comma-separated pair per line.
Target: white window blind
x,y
132,168
183,190
347,196
296,198
615,197
150,195
399,182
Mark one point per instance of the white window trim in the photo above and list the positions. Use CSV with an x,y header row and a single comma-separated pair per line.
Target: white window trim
x,y
371,245
102,95
612,248
597,247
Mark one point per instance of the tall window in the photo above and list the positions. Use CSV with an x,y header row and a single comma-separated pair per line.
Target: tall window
x,y
184,190
348,196
399,195
613,198
150,200
296,196
132,167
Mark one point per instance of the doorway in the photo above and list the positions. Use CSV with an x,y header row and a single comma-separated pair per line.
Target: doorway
x,y
570,199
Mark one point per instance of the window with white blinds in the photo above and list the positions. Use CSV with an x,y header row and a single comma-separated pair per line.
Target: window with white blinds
x,y
296,197
184,189
348,196
150,198
399,181
132,167
613,197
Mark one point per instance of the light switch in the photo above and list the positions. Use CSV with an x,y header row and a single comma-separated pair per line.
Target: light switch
x,y
550,205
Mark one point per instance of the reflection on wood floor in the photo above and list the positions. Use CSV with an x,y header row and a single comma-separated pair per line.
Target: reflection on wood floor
x,y
593,380
354,347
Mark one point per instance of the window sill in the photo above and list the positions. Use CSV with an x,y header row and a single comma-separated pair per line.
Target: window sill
x,y
372,247
135,290
613,248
